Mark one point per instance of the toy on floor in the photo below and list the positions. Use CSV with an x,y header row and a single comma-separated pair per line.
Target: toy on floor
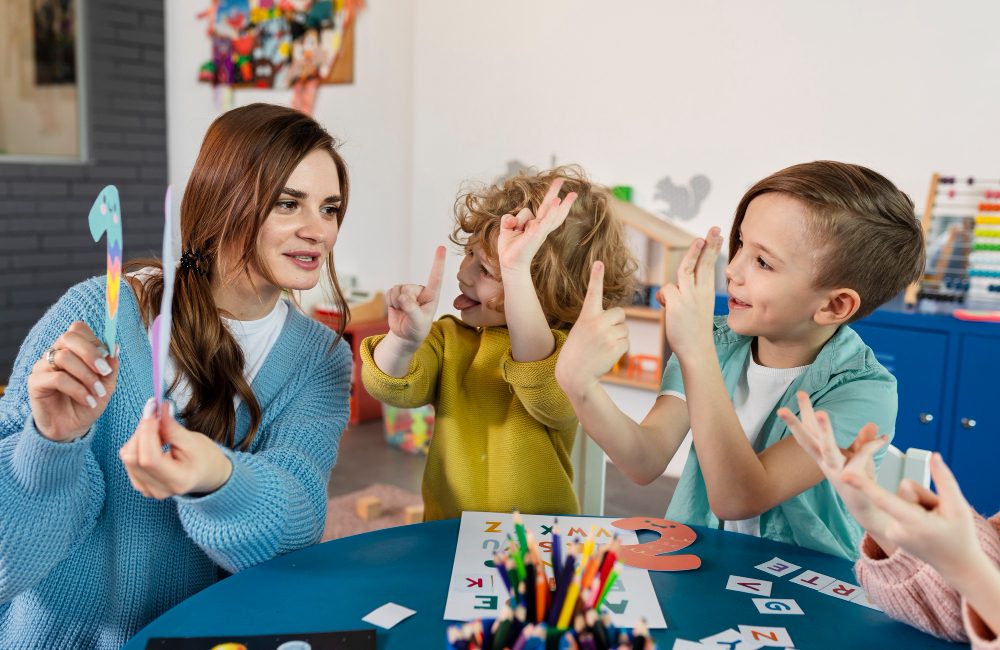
x,y
413,514
368,507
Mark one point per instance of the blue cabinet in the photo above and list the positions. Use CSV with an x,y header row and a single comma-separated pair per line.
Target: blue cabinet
x,y
947,372
918,421
975,435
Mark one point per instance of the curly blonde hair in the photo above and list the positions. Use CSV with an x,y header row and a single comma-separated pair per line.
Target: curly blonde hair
x,y
561,268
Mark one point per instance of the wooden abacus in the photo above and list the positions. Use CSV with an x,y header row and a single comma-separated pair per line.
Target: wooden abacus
x,y
959,211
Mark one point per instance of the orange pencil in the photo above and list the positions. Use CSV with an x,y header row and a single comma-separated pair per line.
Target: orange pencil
x,y
593,564
541,593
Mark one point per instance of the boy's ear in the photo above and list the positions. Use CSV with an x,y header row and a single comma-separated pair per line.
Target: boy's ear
x,y
840,305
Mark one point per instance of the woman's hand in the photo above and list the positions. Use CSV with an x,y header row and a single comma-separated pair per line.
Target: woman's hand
x,y
193,463
412,306
71,385
937,528
522,235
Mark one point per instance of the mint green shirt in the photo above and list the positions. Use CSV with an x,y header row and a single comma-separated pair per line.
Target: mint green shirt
x,y
847,382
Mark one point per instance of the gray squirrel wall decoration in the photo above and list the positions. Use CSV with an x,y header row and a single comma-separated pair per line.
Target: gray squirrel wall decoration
x,y
683,201
515,167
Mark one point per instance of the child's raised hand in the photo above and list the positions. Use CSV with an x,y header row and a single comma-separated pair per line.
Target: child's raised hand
x,y
814,433
412,306
690,303
598,339
939,529
521,236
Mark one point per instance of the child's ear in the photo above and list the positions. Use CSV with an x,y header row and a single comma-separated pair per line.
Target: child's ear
x,y
840,305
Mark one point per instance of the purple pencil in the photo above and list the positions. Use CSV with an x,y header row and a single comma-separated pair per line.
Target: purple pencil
x,y
563,582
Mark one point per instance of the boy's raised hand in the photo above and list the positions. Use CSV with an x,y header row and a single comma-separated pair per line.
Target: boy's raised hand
x,y
690,303
412,306
521,236
598,339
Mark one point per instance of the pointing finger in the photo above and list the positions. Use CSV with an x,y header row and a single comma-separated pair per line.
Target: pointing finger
x,y
593,303
433,286
705,270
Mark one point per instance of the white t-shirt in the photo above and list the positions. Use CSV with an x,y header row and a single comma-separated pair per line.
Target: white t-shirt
x,y
255,338
756,395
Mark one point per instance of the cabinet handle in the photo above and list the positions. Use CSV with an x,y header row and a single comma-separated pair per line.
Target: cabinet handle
x,y
968,423
926,418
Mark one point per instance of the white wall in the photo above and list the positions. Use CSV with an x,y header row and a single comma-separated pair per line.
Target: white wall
x,y
372,117
638,90
448,90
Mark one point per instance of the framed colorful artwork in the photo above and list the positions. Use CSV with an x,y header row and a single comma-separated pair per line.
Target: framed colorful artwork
x,y
280,43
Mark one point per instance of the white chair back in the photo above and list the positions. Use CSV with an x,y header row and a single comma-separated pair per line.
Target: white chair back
x,y
589,473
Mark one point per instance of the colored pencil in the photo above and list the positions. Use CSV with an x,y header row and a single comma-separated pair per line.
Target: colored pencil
x,y
556,551
607,587
544,614
560,596
570,603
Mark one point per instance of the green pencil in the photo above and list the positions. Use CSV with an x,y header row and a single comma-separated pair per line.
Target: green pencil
x,y
607,587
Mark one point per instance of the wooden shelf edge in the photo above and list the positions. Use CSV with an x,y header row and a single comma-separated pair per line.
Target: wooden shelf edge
x,y
637,311
659,228
645,381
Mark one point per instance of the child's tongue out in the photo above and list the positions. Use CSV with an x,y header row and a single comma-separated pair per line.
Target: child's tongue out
x,y
464,302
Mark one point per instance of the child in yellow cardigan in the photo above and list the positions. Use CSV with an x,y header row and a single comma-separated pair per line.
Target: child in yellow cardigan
x,y
503,427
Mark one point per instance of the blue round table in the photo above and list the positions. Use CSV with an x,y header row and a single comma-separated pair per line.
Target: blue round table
x,y
331,586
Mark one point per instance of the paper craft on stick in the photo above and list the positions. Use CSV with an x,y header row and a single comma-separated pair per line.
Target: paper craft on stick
x,y
106,217
159,331
649,555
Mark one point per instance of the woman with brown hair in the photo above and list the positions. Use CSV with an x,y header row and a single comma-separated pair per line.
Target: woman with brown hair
x,y
114,512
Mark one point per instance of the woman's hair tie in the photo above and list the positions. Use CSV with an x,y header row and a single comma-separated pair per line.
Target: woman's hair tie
x,y
195,261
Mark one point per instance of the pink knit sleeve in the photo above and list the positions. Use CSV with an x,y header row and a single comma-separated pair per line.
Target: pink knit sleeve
x,y
982,637
909,590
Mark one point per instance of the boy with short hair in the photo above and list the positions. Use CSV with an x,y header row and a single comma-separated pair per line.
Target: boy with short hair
x,y
812,248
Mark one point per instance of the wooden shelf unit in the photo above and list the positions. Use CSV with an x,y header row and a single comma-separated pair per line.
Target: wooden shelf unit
x,y
643,380
673,241
646,313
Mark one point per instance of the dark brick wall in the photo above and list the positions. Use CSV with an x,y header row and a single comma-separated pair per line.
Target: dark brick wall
x,y
45,243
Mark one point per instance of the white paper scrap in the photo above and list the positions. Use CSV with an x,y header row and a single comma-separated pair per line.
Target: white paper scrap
x,y
388,616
